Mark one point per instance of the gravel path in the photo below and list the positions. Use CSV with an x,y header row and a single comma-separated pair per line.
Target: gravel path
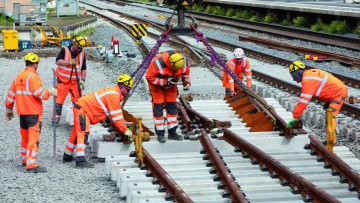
x,y
61,183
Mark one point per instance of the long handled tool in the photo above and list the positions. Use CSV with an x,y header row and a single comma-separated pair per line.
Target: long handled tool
x,y
54,116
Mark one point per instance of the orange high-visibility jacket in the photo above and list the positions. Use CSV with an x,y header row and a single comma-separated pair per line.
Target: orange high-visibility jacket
x,y
318,83
244,67
160,70
68,73
105,102
27,90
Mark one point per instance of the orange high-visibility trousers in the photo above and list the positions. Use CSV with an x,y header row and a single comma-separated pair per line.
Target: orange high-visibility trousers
x,y
63,89
336,104
77,137
30,129
164,96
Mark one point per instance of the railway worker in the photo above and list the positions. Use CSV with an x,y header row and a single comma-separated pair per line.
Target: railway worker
x,y
27,90
164,71
317,83
70,73
92,109
239,65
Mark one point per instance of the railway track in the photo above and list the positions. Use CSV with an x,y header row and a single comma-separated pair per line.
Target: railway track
x,y
273,29
219,162
190,49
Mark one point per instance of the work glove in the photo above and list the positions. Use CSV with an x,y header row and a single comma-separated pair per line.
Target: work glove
x,y
290,123
186,87
53,92
128,134
82,84
73,62
326,105
9,114
232,93
171,81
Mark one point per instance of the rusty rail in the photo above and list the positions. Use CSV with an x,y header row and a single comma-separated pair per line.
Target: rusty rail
x,y
225,177
298,184
207,123
185,118
352,61
165,179
338,166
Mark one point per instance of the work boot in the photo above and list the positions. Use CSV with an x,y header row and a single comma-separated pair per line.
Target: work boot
x,y
67,158
84,164
161,135
38,169
173,134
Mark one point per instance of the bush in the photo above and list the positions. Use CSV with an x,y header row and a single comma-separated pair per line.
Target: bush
x,y
271,18
196,7
318,26
244,14
230,12
209,9
338,27
286,22
218,10
357,30
256,18
301,22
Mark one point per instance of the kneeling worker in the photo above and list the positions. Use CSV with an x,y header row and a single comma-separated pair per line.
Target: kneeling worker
x,y
92,109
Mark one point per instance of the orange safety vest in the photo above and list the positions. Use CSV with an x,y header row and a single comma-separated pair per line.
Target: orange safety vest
x,y
105,102
27,90
321,84
160,70
68,73
244,67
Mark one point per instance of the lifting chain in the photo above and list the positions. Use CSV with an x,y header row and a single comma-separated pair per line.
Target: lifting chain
x,y
141,70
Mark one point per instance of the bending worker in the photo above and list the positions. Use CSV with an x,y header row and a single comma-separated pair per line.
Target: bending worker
x,y
165,70
70,73
27,90
239,65
317,83
92,109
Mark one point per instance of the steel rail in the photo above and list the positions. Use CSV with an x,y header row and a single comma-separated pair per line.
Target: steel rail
x,y
277,30
299,184
174,41
347,173
351,61
225,176
165,179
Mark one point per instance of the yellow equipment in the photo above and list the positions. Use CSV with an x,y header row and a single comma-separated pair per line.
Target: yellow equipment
x,y
11,40
331,133
56,38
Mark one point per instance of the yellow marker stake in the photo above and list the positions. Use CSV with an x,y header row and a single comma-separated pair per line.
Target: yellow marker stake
x,y
138,142
331,133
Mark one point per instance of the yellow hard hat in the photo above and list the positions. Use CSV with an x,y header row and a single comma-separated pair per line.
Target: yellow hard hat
x,y
33,58
177,61
126,80
296,65
79,41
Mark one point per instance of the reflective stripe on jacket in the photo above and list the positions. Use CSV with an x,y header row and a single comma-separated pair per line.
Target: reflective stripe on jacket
x,y
67,73
244,67
160,70
28,92
318,83
105,102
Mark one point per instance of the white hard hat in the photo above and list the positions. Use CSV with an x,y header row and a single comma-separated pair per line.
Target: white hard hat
x,y
238,53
